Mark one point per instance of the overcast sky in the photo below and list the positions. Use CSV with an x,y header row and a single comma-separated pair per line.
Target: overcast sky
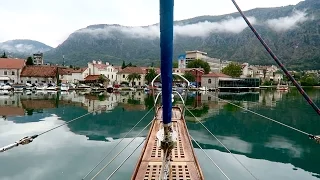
x,y
52,21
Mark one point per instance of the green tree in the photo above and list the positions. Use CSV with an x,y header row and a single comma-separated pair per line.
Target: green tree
x,y
102,79
175,64
29,61
189,76
4,55
71,66
233,70
309,80
132,77
198,63
123,65
151,74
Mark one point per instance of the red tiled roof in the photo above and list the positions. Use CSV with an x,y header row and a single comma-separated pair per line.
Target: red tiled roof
x,y
38,104
130,70
11,111
39,71
69,71
92,77
214,74
9,63
81,70
65,71
100,66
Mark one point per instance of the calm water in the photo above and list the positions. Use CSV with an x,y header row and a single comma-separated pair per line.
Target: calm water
x,y
269,150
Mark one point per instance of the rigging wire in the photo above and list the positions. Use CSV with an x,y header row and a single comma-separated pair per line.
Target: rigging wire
x,y
222,144
117,144
29,139
210,158
104,167
270,119
124,161
302,92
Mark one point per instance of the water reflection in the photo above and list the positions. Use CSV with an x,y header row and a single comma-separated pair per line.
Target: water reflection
x,y
251,138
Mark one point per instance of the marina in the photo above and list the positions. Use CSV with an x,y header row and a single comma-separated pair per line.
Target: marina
x,y
286,154
99,107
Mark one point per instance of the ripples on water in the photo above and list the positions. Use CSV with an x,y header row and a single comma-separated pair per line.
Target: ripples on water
x,y
267,149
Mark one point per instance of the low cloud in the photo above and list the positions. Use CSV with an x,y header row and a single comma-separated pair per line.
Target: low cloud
x,y
202,29
289,22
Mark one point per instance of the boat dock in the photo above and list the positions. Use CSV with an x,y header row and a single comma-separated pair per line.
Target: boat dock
x,y
184,164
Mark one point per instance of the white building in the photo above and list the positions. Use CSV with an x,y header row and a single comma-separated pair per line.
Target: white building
x,y
74,75
214,63
10,70
39,74
106,69
268,73
122,76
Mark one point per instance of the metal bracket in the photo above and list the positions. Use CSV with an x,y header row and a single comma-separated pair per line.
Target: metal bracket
x,y
23,141
317,139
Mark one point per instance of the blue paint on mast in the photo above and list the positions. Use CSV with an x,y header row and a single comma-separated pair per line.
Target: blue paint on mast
x,y
166,46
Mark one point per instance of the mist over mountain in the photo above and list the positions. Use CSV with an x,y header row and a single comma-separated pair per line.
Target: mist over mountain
x,y
293,33
23,47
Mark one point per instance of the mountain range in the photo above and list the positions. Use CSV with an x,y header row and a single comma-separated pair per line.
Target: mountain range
x,y
23,47
292,32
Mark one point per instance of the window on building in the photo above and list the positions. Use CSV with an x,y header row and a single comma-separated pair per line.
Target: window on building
x,y
13,102
124,76
108,76
209,81
5,72
36,81
12,72
139,83
21,81
209,98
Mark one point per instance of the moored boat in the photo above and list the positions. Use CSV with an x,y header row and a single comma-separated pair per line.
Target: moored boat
x,y
18,87
283,87
64,87
109,88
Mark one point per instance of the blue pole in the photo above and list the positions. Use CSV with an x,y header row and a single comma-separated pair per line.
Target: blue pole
x,y
166,46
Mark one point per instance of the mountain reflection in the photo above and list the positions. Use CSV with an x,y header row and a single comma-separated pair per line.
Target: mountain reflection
x,y
113,115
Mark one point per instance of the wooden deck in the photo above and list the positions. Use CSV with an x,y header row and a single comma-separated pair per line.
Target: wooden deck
x,y
184,166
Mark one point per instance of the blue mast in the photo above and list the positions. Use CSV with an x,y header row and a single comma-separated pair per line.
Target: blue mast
x,y
166,46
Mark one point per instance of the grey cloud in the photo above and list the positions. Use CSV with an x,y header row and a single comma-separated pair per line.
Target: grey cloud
x,y
289,22
202,29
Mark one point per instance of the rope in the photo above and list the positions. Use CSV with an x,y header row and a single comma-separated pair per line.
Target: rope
x,y
124,161
164,160
295,129
302,92
117,144
28,139
120,152
210,158
222,144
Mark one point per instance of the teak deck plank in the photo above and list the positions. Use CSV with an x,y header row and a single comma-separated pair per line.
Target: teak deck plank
x,y
184,165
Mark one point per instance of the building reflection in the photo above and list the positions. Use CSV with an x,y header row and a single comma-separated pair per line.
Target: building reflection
x,y
202,104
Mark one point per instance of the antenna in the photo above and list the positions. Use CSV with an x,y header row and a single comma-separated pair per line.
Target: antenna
x,y
63,60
